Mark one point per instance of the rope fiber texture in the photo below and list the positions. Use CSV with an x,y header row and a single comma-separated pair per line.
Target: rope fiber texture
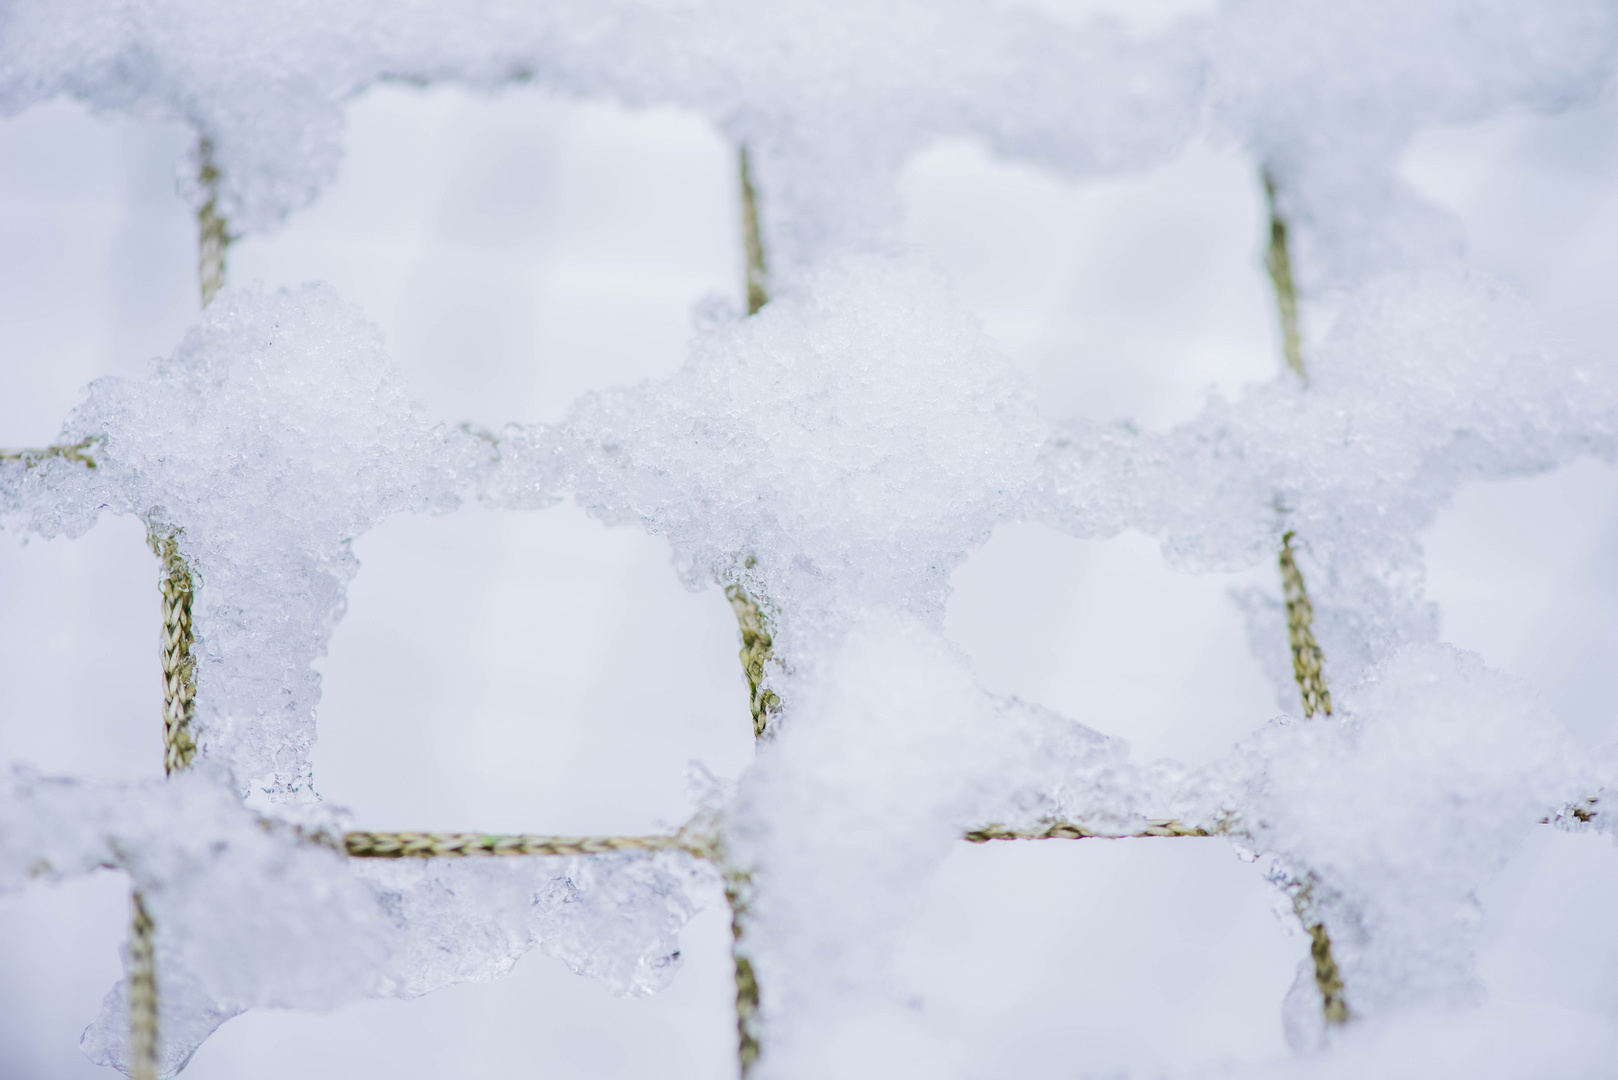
x,y
1308,663
1307,660
423,845
1063,830
738,894
213,236
142,993
179,668
758,293
757,649
1278,261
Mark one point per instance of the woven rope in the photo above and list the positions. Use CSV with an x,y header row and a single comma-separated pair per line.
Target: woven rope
x,y
422,845
426,845
738,894
78,453
213,237
1328,980
757,646
179,668
752,239
142,993
1062,830
1278,261
1307,661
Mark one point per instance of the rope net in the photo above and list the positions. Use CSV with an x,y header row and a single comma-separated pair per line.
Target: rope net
x,y
833,449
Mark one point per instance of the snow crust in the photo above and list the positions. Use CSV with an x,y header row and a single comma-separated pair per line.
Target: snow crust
x,y
837,456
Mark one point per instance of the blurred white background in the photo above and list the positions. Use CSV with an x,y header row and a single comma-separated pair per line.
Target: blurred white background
x,y
541,672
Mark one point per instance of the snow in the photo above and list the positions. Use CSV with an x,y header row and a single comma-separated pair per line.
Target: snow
x,y
839,456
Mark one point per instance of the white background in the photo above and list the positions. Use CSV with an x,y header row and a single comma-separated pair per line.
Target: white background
x,y
543,673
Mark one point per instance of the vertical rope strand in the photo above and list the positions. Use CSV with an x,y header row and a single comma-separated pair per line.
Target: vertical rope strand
x,y
738,890
1278,261
757,274
1327,978
142,993
1308,663
1307,660
757,646
179,750
213,237
179,668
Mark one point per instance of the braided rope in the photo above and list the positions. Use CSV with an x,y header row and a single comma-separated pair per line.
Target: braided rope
x,y
1308,663
213,237
1278,261
757,648
179,668
78,453
142,993
1063,830
1307,660
1328,980
752,239
427,845
423,845
738,894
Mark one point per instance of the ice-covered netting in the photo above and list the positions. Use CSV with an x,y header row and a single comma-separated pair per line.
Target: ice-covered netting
x,y
277,433
1326,95
833,96
831,460
1425,383
253,911
841,451
839,455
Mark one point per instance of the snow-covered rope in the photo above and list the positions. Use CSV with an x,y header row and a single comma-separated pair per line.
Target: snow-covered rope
x,y
758,293
422,845
757,646
142,992
78,453
1307,660
179,669
213,237
1278,261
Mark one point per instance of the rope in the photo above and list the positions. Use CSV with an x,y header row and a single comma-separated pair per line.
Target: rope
x,y
426,845
738,894
179,668
757,646
142,993
757,274
1062,830
213,238
1307,660
1327,978
1278,261
78,453
422,845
